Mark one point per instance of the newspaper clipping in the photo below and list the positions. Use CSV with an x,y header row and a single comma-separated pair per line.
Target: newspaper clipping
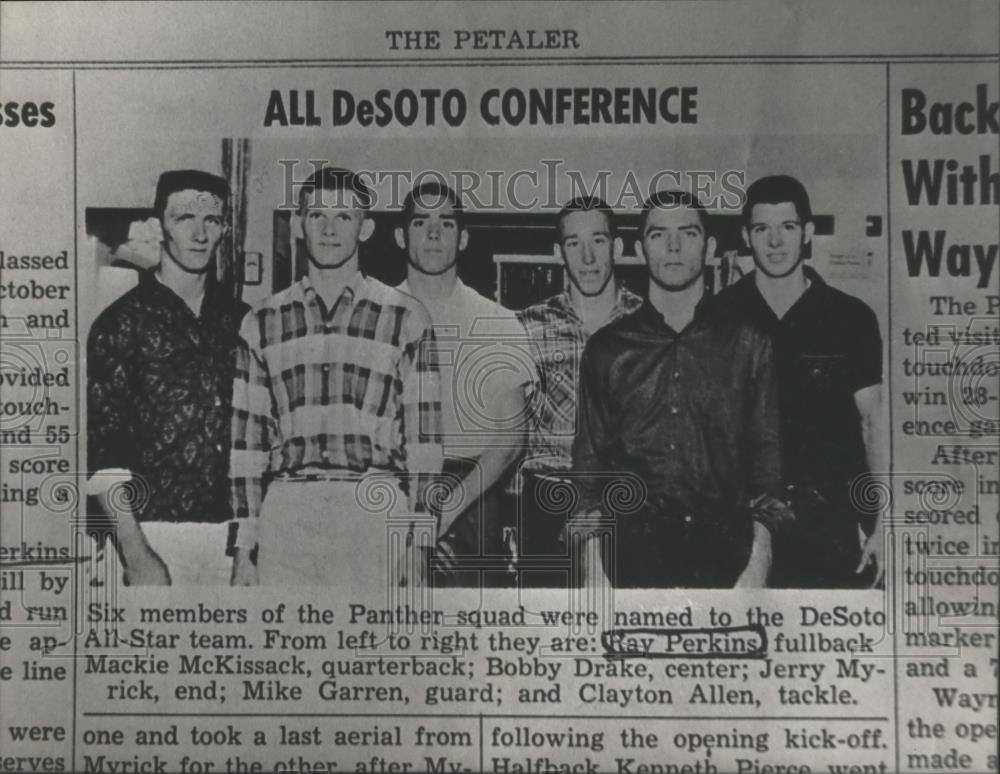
x,y
499,387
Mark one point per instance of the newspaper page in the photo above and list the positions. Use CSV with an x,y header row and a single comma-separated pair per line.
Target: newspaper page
x,y
499,387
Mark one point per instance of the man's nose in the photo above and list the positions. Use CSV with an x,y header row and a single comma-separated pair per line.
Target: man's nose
x,y
775,238
328,226
433,230
588,256
673,242
200,234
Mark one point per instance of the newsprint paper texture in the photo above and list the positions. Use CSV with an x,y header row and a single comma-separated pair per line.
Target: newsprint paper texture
x,y
656,432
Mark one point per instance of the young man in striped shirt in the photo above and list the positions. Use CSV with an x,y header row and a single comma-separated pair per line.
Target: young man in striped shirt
x,y
336,403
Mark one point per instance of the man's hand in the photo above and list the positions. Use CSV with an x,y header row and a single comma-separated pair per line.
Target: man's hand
x,y
146,568
754,575
874,553
594,574
244,570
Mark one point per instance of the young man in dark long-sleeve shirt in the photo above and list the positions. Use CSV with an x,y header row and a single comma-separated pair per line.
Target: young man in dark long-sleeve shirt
x,y
678,408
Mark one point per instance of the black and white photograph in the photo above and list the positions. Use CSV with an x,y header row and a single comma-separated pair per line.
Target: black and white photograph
x,y
508,387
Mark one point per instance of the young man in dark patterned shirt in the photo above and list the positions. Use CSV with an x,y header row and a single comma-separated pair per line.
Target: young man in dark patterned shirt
x,y
159,378
336,402
678,413
559,327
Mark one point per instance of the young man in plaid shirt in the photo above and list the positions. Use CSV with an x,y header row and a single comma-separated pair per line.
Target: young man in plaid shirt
x,y
559,328
336,401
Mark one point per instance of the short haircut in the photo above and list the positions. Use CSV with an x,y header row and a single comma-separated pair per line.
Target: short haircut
x,y
428,195
586,204
777,189
335,179
187,180
670,200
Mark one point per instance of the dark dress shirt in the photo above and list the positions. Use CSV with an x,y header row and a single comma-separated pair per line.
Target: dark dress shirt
x,y
159,381
690,418
827,346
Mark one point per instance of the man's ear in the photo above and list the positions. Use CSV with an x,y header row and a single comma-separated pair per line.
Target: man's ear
x,y
400,237
710,246
639,251
463,240
298,232
746,236
808,232
617,248
367,229
557,251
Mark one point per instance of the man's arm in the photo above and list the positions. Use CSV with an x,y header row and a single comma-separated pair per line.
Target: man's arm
x,y
592,432
589,445
495,460
869,403
866,372
421,409
110,451
762,454
254,430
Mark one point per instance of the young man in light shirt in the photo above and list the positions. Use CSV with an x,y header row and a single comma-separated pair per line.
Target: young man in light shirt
x,y
485,370
336,408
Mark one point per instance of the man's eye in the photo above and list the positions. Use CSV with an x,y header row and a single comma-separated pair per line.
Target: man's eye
x,y
757,230
314,216
600,240
571,243
417,222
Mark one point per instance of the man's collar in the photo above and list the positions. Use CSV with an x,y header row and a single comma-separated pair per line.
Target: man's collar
x,y
702,312
153,286
815,280
350,291
623,297
459,288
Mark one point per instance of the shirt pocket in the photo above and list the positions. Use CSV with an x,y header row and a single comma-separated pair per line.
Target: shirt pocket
x,y
822,375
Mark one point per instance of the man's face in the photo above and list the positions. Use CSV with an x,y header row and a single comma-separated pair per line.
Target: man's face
x,y
675,246
433,237
588,250
776,235
192,228
332,228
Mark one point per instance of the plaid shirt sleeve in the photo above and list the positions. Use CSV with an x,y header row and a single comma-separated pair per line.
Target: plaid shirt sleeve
x,y
254,429
593,426
421,406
